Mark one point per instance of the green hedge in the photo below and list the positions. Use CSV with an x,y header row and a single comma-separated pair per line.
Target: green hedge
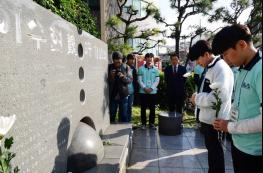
x,y
161,95
75,11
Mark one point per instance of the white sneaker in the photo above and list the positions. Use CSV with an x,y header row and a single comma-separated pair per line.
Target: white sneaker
x,y
143,127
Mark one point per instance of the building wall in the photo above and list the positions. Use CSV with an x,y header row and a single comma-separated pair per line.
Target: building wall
x,y
108,9
51,76
149,23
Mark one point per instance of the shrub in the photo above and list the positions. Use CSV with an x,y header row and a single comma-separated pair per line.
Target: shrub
x,y
161,95
75,11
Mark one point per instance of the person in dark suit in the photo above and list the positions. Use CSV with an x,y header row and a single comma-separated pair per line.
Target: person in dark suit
x,y
175,84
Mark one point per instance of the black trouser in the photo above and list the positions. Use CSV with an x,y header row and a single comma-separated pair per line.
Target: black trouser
x,y
245,163
148,100
197,115
216,161
175,103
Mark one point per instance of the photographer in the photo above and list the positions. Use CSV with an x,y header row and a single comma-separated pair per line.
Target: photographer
x,y
118,88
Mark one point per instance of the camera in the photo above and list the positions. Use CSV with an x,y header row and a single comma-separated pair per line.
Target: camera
x,y
117,72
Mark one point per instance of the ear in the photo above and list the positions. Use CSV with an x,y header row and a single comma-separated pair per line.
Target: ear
x,y
242,44
207,55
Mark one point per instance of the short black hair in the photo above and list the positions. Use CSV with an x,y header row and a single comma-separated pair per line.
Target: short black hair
x,y
149,55
130,56
229,36
117,55
173,55
199,49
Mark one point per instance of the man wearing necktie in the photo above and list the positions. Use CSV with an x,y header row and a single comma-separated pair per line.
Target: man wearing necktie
x,y
175,84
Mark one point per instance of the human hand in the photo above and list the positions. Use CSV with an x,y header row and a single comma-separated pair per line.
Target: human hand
x,y
112,74
120,74
193,98
148,90
220,125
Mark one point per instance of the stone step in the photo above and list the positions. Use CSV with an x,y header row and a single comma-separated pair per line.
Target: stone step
x,y
117,144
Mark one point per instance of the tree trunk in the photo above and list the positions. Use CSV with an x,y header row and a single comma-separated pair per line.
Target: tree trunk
x,y
177,46
177,41
125,40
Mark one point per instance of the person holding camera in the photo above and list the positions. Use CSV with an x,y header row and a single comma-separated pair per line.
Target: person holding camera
x,y
118,80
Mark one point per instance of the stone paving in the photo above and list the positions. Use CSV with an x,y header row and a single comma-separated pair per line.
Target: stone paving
x,y
185,153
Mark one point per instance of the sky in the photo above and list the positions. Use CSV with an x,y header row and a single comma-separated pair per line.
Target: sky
x,y
170,16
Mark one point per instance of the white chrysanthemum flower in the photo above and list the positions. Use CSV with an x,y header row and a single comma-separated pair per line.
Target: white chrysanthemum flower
x,y
215,85
188,74
5,124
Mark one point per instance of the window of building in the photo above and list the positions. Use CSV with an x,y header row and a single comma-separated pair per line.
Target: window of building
x,y
135,3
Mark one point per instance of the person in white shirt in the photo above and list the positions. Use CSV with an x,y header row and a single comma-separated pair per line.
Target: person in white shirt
x,y
218,77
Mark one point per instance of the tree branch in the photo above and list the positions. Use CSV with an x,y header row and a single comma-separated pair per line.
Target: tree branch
x,y
116,30
189,14
116,37
140,19
119,15
144,46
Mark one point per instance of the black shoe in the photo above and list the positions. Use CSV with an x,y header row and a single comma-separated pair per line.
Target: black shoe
x,y
152,126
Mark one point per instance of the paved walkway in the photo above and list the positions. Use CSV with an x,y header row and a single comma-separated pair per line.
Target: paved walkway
x,y
185,153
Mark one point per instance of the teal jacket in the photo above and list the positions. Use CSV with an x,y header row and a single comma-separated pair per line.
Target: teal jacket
x,y
248,101
148,78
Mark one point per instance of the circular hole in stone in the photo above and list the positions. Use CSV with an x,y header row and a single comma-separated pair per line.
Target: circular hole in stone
x,y
79,31
89,122
80,50
82,96
81,73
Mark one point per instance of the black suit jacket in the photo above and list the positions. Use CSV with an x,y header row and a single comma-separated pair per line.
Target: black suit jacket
x,y
175,81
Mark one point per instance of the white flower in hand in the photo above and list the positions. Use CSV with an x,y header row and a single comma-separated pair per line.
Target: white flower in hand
x,y
5,124
188,74
218,101
215,85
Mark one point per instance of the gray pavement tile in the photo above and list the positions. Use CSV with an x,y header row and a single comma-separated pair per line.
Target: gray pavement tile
x,y
145,133
178,159
173,142
185,153
196,142
144,170
181,170
141,158
107,165
113,152
228,160
192,133
144,142
203,159
118,141
227,145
